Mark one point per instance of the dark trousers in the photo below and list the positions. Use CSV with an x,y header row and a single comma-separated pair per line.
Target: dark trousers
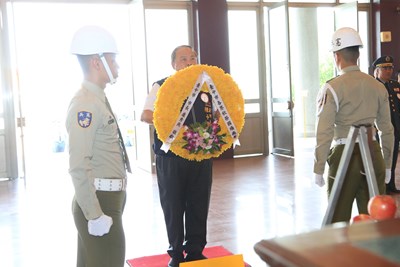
x,y
355,185
107,250
394,161
185,189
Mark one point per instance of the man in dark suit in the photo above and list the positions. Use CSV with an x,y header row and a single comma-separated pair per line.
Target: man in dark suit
x,y
383,72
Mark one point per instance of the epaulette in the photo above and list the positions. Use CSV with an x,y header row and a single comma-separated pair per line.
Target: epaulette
x,y
332,79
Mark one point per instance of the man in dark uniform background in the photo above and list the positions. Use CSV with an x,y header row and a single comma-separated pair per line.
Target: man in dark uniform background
x,y
398,76
383,72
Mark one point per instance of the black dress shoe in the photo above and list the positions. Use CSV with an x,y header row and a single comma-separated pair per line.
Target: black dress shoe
x,y
195,257
174,261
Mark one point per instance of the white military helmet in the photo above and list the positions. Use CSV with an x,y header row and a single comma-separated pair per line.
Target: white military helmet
x,y
91,40
345,37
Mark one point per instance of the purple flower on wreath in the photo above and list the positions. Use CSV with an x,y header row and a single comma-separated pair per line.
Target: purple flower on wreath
x,y
203,138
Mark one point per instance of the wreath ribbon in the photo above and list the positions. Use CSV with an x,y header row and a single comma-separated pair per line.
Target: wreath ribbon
x,y
184,113
217,99
203,78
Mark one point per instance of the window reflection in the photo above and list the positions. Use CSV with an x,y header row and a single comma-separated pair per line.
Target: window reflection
x,y
162,38
243,51
252,108
50,76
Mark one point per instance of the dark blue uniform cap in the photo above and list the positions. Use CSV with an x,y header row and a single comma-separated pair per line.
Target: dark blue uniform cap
x,y
383,61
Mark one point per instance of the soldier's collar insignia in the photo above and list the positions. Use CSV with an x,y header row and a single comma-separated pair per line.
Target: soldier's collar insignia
x,y
84,118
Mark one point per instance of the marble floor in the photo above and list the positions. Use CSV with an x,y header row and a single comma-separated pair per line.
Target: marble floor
x,y
252,199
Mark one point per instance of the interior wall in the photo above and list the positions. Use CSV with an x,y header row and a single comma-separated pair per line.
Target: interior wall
x,y
213,33
386,19
213,38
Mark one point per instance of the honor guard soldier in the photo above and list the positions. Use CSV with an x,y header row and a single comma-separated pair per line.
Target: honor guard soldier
x,y
353,98
97,158
383,72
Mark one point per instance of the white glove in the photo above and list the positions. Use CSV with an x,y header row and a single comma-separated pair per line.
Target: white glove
x,y
388,175
319,180
100,226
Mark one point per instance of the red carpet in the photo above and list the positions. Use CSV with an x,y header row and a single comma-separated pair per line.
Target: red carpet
x,y
162,260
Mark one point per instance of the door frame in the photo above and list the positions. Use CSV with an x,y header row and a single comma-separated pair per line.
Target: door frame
x,y
8,133
281,107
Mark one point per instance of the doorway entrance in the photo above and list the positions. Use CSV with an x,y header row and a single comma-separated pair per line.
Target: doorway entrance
x,y
48,76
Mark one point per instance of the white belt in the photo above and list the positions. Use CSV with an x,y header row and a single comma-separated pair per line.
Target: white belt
x,y
342,141
107,184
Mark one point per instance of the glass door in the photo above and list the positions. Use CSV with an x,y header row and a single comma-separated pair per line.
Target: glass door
x,y
245,68
346,15
8,135
160,40
48,75
280,80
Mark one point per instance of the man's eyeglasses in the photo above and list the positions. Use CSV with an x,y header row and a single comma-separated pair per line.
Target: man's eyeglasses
x,y
387,67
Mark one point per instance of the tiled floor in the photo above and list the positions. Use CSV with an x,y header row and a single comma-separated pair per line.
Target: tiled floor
x,y
252,199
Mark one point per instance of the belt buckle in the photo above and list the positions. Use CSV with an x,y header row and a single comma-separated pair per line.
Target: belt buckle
x,y
107,184
341,141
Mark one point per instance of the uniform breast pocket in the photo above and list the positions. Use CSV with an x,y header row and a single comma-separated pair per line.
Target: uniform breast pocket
x,y
110,127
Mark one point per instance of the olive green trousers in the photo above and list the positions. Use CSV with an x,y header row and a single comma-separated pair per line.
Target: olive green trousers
x,y
355,186
107,250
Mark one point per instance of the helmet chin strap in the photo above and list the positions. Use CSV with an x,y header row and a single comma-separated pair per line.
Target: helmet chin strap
x,y
108,70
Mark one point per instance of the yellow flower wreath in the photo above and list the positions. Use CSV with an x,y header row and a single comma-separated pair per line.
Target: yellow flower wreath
x,y
174,92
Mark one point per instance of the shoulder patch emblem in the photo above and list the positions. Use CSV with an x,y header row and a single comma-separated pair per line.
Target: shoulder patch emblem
x,y
84,118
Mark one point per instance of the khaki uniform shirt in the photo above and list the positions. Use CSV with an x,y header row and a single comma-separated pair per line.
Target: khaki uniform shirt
x,y
352,98
94,150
